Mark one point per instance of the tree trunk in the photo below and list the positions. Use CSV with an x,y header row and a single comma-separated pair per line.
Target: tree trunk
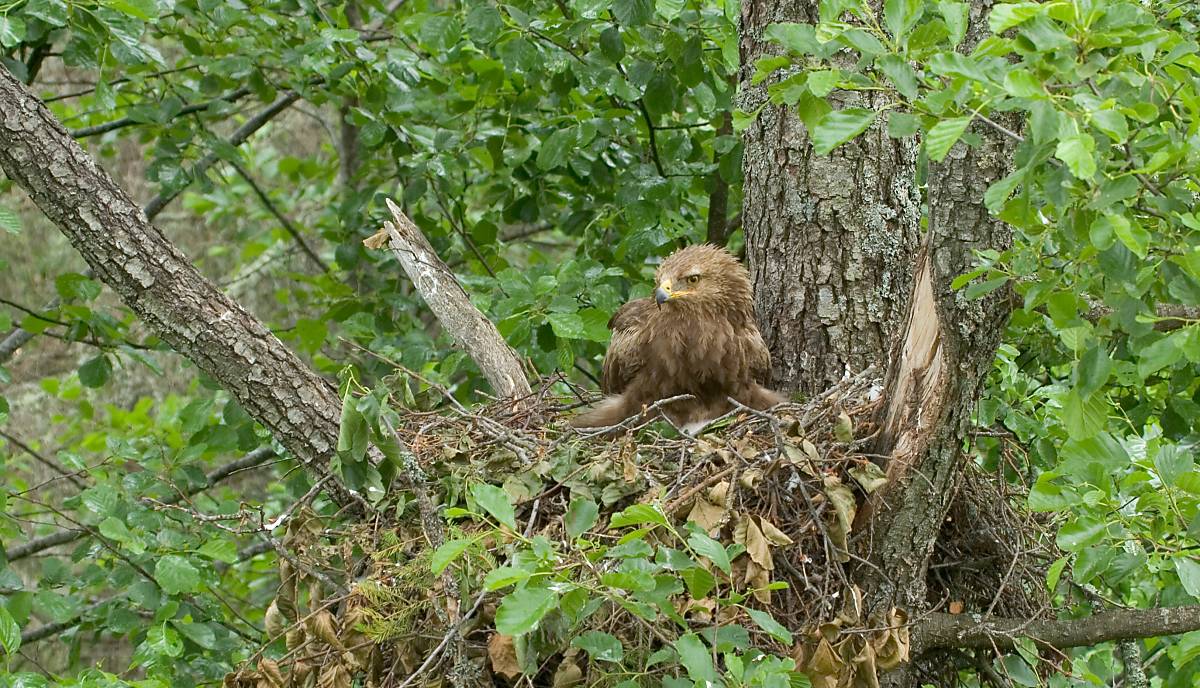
x,y
158,283
830,240
843,281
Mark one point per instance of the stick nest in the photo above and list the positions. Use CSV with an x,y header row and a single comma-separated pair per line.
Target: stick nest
x,y
786,488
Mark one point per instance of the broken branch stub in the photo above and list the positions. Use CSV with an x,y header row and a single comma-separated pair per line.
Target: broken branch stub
x,y
453,308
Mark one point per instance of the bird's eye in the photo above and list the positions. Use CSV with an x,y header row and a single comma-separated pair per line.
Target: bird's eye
x,y
692,279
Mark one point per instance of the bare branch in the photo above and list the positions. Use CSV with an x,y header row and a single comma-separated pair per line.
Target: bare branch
x,y
940,630
62,537
453,308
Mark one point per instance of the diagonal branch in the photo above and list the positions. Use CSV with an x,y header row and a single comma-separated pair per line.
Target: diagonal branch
x,y
453,308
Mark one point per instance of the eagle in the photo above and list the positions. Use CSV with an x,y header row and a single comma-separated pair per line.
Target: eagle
x,y
697,336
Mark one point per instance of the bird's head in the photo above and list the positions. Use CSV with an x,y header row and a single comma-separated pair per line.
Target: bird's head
x,y
702,277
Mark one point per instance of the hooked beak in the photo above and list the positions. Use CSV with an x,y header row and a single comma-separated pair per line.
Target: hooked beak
x,y
662,293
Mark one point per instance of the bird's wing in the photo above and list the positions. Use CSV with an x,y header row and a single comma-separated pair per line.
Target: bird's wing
x,y
624,357
757,355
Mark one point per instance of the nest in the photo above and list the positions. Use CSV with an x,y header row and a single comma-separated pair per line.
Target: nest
x,y
783,487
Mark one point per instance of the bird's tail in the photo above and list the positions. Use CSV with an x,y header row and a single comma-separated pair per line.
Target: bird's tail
x,y
610,411
761,398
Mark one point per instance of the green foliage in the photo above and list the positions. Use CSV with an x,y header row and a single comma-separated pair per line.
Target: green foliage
x,y
559,595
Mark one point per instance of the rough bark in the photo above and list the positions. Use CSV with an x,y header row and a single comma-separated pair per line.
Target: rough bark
x,y
970,631
830,240
938,368
160,285
453,308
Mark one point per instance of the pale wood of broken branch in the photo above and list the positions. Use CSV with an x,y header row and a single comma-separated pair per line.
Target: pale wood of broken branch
x,y
452,305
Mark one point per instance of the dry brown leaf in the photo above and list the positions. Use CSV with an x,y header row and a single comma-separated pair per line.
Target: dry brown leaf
x,y
750,478
843,428
810,450
824,666
377,240
274,621
739,529
503,655
757,546
844,508
323,627
893,648
869,475
334,676
269,668
774,535
719,494
708,511
296,637
866,675
757,578
568,673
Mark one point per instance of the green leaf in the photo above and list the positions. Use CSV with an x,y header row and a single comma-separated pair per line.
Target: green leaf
x,y
1054,573
638,514
1004,17
900,16
840,126
95,372
1161,354
522,609
1076,151
1094,368
1076,535
632,13
504,577
219,549
600,646
353,431
768,623
955,15
53,12
699,581
555,149
902,124
114,528
1112,123
495,501
695,657
997,194
176,575
446,554
707,547
1172,463
669,9
145,10
822,82
1189,575
944,135
799,38
567,325
10,632
900,72
12,30
1022,84
1131,233
9,221
580,517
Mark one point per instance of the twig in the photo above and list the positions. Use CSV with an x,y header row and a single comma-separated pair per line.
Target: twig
x,y
287,224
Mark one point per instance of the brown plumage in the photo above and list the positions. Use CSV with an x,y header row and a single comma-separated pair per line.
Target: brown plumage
x,y
696,336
